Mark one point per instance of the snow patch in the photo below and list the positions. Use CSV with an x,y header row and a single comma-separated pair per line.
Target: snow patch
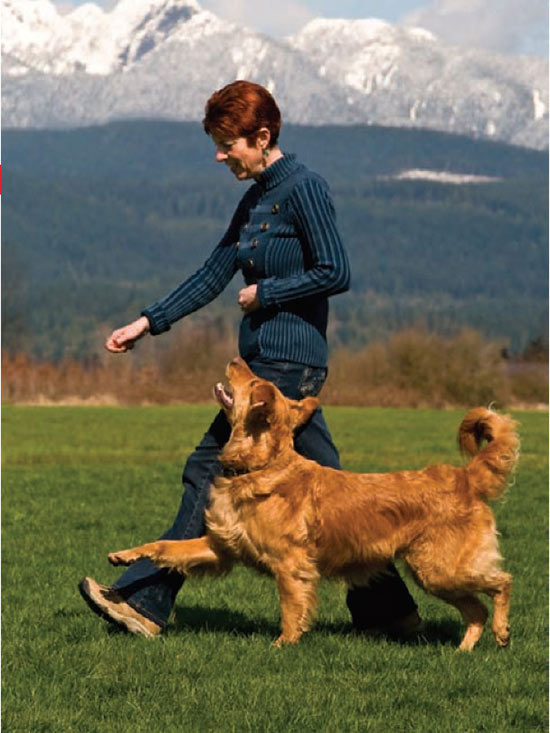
x,y
539,108
16,71
365,27
418,174
413,110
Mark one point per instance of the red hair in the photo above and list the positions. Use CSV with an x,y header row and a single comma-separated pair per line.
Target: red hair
x,y
240,109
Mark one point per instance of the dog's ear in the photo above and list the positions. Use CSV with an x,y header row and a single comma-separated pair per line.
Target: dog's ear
x,y
262,400
302,410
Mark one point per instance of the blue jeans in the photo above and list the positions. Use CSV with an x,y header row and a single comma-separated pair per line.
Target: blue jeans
x,y
152,592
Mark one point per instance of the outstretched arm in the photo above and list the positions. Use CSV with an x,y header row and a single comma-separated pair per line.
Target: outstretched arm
x,y
194,293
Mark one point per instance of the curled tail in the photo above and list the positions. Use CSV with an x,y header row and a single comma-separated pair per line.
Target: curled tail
x,y
492,464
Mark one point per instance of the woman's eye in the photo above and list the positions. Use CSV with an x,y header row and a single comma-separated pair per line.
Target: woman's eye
x,y
225,147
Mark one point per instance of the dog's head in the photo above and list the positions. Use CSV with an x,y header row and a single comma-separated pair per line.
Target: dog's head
x,y
263,420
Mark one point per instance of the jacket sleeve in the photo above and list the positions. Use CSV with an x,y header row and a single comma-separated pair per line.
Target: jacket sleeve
x,y
329,273
202,287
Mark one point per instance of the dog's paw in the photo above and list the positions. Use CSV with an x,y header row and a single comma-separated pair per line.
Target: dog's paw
x,y
285,641
503,640
123,557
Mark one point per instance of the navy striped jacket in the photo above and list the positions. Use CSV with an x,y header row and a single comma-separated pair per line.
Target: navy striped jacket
x,y
283,236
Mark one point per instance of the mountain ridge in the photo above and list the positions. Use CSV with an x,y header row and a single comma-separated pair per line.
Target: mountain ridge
x,y
163,58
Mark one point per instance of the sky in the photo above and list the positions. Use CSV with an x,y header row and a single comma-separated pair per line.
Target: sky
x,y
504,26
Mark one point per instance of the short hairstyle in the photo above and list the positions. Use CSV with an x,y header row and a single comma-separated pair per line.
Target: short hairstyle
x,y
240,109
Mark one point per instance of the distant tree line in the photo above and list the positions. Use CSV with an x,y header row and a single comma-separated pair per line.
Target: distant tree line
x,y
102,221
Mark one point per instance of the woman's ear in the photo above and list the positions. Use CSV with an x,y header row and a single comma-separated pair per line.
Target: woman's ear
x,y
263,138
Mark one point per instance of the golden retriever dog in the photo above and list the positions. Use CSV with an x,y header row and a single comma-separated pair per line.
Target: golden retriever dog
x,y
282,513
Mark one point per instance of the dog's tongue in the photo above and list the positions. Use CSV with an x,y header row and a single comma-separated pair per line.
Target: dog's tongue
x,y
224,398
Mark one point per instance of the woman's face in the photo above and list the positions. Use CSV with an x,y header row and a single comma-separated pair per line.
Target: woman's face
x,y
243,160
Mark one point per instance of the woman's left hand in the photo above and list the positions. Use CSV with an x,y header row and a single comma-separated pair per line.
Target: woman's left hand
x,y
248,299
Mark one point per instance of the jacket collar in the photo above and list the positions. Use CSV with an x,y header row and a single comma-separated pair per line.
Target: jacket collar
x,y
277,171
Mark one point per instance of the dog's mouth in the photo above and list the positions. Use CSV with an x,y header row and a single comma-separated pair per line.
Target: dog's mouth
x,y
223,395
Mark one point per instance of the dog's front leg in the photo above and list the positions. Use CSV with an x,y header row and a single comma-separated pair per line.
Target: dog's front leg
x,y
181,555
297,595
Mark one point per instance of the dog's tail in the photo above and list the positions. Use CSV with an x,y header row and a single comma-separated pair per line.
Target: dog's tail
x,y
490,468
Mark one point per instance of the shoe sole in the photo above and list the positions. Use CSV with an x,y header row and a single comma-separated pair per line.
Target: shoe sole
x,y
134,626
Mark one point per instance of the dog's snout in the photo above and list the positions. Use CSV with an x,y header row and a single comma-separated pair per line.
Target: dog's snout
x,y
238,366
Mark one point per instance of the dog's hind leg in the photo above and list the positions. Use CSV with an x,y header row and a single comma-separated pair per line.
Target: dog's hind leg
x,y
182,555
474,614
298,598
500,590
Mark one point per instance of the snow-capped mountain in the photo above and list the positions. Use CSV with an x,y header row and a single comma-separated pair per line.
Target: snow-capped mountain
x,y
406,76
162,58
93,41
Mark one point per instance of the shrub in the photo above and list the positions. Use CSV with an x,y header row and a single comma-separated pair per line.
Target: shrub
x,y
414,367
419,368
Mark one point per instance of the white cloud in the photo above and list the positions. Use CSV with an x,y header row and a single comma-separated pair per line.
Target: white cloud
x,y
280,18
64,7
506,26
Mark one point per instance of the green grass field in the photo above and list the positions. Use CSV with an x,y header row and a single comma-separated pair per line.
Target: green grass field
x,y
80,482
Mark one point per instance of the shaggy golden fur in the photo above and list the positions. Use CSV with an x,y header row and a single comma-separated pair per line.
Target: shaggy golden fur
x,y
299,521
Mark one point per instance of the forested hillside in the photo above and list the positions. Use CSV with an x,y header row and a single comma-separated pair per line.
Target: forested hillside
x,y
99,222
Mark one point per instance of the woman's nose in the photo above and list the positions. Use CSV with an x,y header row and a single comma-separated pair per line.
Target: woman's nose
x,y
220,156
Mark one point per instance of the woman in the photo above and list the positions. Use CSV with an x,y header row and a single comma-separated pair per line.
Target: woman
x,y
284,239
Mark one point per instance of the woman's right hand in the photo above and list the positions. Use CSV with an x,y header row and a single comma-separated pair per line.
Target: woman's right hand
x,y
124,339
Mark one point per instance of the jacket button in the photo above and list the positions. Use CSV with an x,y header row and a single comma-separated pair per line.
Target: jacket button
x,y
264,226
254,243
250,263
275,209
237,245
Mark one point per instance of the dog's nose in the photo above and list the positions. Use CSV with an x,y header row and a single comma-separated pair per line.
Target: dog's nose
x,y
238,366
232,365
